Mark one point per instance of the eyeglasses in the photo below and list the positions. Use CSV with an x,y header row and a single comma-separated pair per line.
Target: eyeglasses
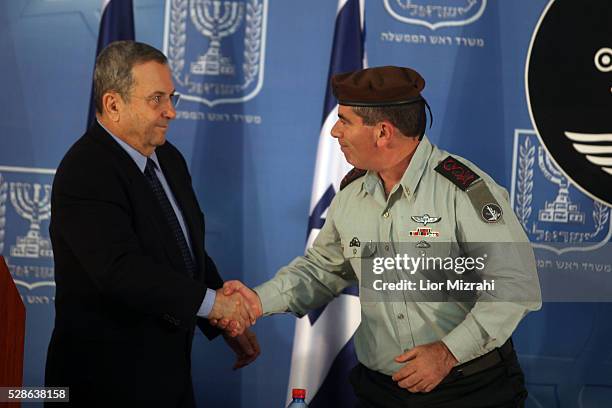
x,y
156,101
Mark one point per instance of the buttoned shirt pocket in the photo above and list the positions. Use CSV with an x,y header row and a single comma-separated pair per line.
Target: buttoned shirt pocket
x,y
359,256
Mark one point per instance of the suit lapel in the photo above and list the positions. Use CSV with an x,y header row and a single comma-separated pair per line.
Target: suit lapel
x,y
143,193
183,194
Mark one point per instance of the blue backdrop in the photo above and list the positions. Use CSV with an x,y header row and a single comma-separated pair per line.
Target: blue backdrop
x,y
249,129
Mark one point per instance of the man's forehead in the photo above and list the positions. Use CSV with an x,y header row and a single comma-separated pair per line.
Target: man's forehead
x,y
347,113
152,74
345,110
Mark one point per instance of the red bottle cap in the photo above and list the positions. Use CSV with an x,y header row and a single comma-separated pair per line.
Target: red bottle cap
x,y
298,393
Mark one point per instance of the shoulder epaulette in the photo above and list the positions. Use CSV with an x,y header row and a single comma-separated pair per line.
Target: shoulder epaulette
x,y
351,176
483,201
458,173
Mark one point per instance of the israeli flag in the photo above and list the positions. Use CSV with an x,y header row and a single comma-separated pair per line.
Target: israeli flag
x,y
323,350
117,23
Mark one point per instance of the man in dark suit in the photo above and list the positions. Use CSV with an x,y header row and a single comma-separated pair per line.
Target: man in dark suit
x,y
133,277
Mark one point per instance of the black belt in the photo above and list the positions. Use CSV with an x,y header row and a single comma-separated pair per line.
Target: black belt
x,y
484,362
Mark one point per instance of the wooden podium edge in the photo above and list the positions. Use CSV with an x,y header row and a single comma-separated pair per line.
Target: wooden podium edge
x,y
12,330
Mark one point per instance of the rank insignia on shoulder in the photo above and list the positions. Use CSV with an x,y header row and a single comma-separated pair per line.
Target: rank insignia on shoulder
x,y
351,176
458,173
355,242
491,212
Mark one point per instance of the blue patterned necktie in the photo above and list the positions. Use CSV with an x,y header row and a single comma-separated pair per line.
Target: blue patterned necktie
x,y
170,215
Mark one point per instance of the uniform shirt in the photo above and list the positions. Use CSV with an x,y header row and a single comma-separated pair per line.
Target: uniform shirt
x,y
390,327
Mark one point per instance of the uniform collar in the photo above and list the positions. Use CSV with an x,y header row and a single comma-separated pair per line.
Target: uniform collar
x,y
416,168
412,175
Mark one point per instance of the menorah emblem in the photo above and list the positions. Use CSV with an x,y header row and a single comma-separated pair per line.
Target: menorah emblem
x,y
561,209
32,202
215,19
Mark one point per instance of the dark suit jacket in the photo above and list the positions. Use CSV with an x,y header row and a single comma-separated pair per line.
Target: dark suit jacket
x,y
125,306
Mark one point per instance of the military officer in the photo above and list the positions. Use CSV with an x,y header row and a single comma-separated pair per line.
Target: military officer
x,y
406,196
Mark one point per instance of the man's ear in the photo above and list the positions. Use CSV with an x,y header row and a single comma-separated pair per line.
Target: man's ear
x,y
110,105
384,133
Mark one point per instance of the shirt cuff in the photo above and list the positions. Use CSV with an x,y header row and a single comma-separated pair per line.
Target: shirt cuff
x,y
207,303
271,299
466,341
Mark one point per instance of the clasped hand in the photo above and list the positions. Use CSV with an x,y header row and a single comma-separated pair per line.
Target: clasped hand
x,y
236,308
232,308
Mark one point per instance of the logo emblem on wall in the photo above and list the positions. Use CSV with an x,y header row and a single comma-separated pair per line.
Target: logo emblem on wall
x,y
25,209
568,77
435,14
216,49
549,206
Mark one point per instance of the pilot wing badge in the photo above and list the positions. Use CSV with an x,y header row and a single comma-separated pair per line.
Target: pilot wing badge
x,y
425,219
216,49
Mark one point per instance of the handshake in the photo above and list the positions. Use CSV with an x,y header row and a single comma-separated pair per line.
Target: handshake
x,y
236,308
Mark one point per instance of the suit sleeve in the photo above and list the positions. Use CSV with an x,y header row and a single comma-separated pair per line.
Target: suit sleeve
x,y
213,281
92,216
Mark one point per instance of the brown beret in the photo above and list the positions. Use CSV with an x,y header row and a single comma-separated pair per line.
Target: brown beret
x,y
378,86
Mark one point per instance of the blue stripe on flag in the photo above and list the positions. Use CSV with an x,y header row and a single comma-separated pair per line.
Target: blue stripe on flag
x,y
347,48
117,23
336,391
347,55
328,383
316,220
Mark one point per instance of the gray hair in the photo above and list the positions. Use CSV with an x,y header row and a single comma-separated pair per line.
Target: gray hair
x,y
113,71
410,119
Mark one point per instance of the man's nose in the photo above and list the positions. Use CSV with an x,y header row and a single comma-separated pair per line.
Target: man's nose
x,y
170,111
334,131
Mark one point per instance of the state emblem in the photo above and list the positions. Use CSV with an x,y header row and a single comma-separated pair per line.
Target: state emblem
x,y
549,206
25,211
216,48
